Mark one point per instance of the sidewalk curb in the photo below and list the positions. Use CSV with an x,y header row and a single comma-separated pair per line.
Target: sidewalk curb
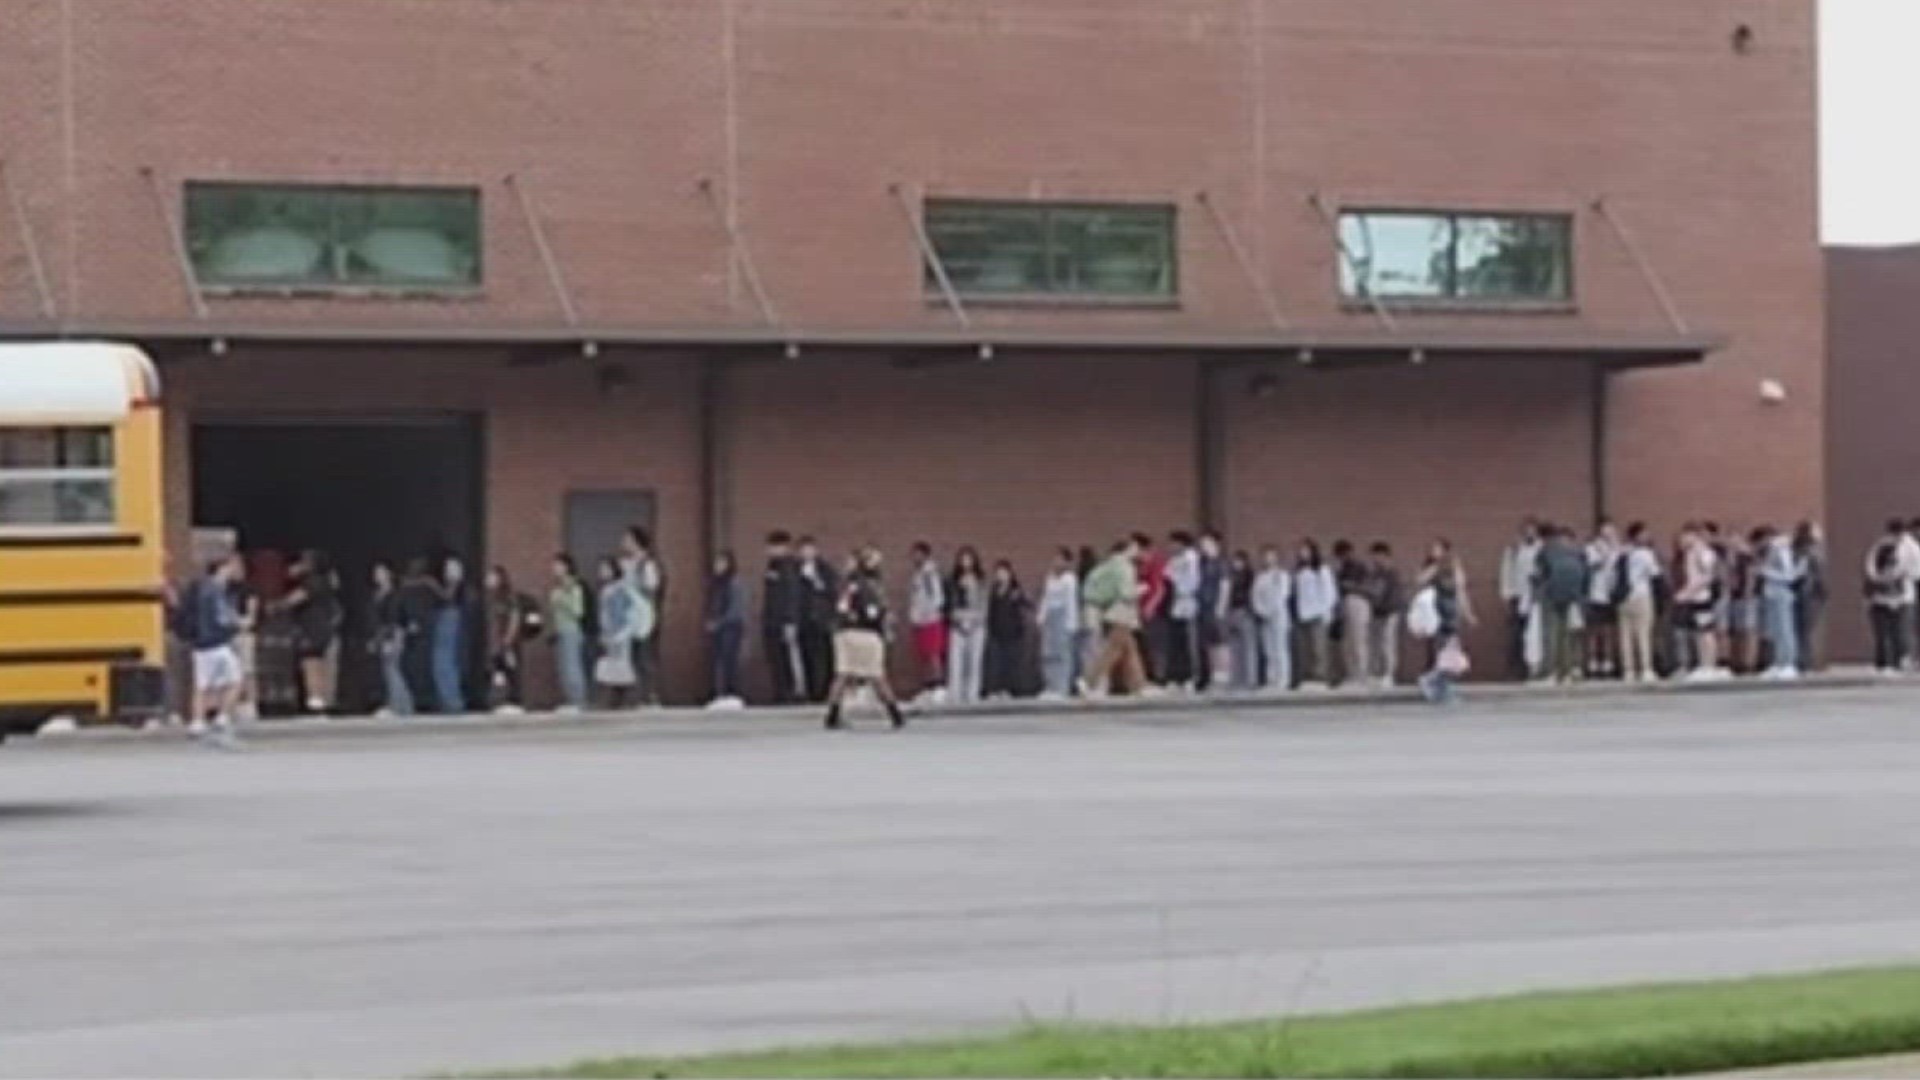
x,y
697,720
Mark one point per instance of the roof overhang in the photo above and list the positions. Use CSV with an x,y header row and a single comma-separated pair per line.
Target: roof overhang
x,y
1621,349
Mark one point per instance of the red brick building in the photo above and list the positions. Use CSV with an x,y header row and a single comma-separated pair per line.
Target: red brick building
x,y
1014,272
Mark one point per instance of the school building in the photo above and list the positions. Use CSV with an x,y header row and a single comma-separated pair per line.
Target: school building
x,y
506,275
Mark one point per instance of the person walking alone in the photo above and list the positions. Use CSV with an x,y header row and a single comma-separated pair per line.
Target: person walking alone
x,y
859,642
1273,607
726,626
567,622
1059,623
927,618
967,600
1112,591
1444,581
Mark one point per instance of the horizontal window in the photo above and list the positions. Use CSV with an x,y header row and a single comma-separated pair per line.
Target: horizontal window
x,y
56,476
1457,257
333,237
1039,249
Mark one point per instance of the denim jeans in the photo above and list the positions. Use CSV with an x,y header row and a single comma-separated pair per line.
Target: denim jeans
x,y
1276,654
1059,649
1783,635
724,644
448,690
570,660
398,698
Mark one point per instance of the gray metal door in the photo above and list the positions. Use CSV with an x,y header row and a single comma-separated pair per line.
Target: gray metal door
x,y
596,519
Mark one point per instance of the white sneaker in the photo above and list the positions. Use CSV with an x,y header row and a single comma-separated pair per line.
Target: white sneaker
x,y
197,727
568,710
316,706
508,710
383,713
726,704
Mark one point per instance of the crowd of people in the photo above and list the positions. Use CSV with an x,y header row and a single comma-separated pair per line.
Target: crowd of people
x,y
1183,615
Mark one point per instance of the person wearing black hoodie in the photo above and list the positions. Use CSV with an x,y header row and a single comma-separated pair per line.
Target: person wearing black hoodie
x,y
782,600
1007,614
820,587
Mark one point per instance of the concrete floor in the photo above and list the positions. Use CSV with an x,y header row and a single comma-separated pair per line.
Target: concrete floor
x,y
367,905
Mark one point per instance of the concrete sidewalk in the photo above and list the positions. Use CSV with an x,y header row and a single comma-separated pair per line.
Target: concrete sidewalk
x,y
1904,1067
690,720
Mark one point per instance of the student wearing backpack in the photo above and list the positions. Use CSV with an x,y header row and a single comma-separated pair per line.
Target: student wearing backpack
x,y
1560,583
207,622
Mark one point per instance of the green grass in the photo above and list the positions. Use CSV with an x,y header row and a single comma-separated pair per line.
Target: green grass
x,y
1649,1031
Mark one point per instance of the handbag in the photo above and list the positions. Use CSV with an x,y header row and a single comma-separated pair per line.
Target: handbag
x,y
1453,659
614,669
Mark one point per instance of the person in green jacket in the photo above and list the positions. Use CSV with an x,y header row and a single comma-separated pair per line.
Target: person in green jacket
x,y
567,616
1112,591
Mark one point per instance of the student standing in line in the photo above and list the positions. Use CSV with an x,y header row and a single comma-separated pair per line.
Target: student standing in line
x,y
820,592
782,598
1273,607
859,642
1387,592
1242,625
1638,570
1889,594
1059,623
1354,617
1210,619
1088,639
1008,611
1315,595
1603,615
1560,589
1742,607
1183,609
1779,574
927,616
387,640
449,639
1517,568
567,620
1453,613
1695,598
420,598
510,620
621,619
967,599
1150,568
726,626
641,564
1112,592
1810,602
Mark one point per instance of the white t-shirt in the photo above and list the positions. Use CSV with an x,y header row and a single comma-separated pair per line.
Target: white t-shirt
x,y
1643,568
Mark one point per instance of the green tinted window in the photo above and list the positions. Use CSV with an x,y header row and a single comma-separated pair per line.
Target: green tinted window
x,y
1038,249
244,234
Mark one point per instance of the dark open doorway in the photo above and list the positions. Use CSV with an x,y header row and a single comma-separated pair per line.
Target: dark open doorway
x,y
360,489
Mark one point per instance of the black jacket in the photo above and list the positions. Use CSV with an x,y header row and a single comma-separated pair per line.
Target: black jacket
x,y
1007,613
783,595
821,591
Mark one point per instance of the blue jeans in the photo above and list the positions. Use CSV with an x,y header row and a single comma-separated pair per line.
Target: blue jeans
x,y
725,643
570,659
1058,653
447,690
399,697
1783,634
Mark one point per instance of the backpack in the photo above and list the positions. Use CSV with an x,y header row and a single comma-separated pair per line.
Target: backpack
x,y
183,618
1622,567
1423,614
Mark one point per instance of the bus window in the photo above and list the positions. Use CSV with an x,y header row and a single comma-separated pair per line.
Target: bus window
x,y
56,476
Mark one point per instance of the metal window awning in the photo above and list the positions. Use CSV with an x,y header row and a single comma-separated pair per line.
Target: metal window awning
x,y
1317,345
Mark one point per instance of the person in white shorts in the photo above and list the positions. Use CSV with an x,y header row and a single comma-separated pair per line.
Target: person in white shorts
x,y
211,623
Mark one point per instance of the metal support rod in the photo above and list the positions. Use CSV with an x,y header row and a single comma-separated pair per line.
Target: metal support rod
x,y
177,241
1648,274
1380,311
27,241
741,255
931,256
554,277
1232,239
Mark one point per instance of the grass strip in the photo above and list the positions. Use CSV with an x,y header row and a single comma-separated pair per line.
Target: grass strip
x,y
1666,1030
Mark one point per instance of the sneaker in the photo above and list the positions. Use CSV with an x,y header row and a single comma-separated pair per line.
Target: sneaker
x,y
197,727
568,710
726,704
383,713
508,709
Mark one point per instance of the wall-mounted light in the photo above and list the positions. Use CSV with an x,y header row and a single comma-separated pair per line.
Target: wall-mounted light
x,y
1773,392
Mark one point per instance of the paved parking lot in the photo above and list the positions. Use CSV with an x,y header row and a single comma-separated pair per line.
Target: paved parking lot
x,y
356,906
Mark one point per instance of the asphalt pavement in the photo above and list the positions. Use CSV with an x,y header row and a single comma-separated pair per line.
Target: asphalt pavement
x,y
389,905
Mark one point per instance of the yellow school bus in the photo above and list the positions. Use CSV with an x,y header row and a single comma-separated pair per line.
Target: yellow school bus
x,y
82,586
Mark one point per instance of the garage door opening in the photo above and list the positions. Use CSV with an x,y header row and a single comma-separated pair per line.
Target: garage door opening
x,y
360,489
